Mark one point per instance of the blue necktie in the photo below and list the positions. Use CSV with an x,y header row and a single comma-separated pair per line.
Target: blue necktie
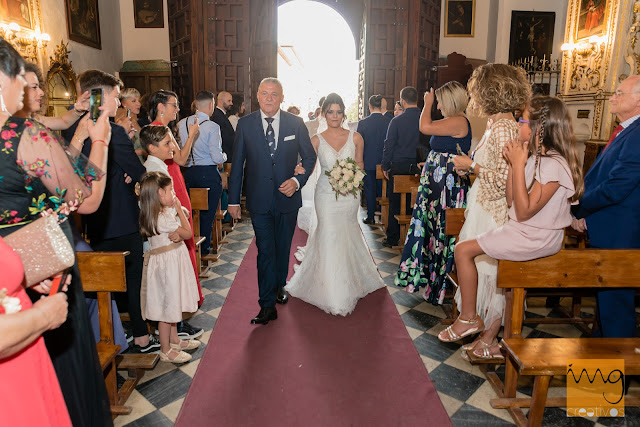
x,y
271,136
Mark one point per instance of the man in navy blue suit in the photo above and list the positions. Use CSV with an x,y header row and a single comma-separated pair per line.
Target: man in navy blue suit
x,y
266,149
373,130
399,155
610,208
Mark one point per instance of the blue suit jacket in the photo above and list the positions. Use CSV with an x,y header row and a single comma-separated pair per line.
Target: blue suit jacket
x,y
403,138
264,174
118,212
611,201
226,132
373,130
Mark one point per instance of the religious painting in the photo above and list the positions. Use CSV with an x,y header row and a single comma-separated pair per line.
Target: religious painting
x,y
531,35
459,18
19,11
148,13
591,18
83,22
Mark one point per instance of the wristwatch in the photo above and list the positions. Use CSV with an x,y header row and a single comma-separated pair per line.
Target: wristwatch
x,y
473,165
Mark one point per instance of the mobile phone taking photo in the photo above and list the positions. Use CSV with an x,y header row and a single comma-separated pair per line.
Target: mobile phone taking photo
x,y
95,102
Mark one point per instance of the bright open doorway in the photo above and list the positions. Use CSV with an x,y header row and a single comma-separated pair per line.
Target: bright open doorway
x,y
316,56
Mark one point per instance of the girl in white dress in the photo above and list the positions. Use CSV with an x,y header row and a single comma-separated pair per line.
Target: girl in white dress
x,y
169,285
338,268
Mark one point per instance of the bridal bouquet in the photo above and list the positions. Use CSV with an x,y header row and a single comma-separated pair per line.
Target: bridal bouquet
x,y
346,177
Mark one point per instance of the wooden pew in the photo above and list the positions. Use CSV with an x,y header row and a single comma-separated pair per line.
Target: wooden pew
x,y
402,184
200,202
103,273
383,201
543,358
217,234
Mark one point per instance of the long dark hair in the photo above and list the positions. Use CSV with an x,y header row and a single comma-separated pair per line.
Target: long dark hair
x,y
162,97
150,205
551,124
334,98
11,63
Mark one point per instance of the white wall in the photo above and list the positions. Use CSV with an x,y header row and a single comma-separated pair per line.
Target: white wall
x,y
83,57
493,28
142,43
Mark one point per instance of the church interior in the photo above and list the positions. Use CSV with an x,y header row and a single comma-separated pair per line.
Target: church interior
x,y
579,51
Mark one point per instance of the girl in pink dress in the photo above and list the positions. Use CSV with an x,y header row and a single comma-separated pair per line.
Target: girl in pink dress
x,y
169,286
540,191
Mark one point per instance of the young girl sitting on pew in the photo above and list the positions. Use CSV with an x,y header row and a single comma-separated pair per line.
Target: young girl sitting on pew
x,y
169,285
540,190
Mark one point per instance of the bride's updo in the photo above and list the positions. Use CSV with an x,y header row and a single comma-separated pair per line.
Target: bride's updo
x,y
333,98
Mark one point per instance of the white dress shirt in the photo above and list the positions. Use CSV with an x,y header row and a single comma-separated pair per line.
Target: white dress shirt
x,y
275,124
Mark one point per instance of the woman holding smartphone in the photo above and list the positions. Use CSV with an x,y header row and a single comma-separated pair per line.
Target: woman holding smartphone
x,y
127,117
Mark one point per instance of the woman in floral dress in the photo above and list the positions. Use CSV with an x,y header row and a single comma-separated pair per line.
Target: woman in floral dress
x,y
428,253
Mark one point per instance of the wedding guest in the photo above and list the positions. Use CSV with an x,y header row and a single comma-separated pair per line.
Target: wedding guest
x,y
540,190
164,108
427,256
373,130
314,121
236,111
43,170
25,366
32,103
143,117
398,108
610,209
225,101
293,110
495,90
206,160
399,155
130,109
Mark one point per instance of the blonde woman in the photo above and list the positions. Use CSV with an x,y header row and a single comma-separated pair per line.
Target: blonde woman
x,y
127,117
496,90
428,255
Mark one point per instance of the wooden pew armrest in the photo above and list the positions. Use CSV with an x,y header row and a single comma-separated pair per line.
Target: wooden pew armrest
x,y
137,361
106,353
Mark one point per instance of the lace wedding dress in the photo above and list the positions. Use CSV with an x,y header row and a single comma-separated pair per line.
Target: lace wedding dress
x,y
338,268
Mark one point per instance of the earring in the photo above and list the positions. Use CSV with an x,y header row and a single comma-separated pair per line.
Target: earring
x,y
3,106
161,114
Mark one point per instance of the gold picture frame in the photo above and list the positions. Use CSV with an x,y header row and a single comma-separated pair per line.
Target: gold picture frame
x,y
23,13
592,18
460,18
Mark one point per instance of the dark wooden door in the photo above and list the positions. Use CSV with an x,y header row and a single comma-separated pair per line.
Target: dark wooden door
x,y
183,49
264,45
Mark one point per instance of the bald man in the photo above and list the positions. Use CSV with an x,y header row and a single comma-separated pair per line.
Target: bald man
x,y
225,101
610,208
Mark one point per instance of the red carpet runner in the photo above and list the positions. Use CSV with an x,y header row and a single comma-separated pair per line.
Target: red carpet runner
x,y
308,367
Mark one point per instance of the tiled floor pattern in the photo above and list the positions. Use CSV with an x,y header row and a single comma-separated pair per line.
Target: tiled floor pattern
x,y
462,387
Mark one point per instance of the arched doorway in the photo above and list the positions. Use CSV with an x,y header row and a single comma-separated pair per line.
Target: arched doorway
x,y
316,56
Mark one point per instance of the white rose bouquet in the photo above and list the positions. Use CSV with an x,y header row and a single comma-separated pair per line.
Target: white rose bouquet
x,y
346,177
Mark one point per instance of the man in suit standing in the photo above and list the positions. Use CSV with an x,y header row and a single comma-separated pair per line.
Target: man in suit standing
x,y
373,130
201,169
267,145
610,208
225,101
399,156
114,226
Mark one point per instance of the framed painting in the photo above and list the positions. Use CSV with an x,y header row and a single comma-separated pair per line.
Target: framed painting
x,y
19,11
83,22
148,13
592,18
459,18
531,35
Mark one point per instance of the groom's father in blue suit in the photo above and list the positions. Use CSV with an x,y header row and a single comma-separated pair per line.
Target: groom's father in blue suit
x,y
266,149
610,208
373,130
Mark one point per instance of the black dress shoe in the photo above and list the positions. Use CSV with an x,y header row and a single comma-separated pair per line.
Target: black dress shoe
x,y
369,221
281,296
266,314
386,243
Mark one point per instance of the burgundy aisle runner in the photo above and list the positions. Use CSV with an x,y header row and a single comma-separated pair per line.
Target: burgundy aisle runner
x,y
308,367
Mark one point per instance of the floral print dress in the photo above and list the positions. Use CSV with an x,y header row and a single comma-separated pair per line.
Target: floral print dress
x,y
428,253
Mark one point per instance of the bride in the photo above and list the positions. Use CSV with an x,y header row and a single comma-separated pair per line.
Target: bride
x,y
337,269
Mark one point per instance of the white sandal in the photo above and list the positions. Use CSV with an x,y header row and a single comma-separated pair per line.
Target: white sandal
x,y
192,344
181,357
452,336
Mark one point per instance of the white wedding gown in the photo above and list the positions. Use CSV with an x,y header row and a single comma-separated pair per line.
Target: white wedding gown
x,y
337,269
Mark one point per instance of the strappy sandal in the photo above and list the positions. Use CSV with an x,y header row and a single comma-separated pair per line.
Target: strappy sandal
x,y
486,355
470,348
181,356
191,344
452,336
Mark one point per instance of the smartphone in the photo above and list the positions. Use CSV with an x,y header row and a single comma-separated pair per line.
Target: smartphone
x,y
58,283
95,102
128,113
458,149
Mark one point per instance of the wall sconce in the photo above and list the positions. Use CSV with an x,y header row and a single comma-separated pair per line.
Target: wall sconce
x,y
585,47
26,42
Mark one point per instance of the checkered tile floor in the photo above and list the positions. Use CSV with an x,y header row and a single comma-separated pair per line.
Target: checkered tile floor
x,y
462,387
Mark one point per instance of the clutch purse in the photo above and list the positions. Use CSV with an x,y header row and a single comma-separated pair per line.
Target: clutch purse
x,y
43,248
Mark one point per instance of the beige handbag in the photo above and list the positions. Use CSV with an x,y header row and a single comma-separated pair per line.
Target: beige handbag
x,y
43,248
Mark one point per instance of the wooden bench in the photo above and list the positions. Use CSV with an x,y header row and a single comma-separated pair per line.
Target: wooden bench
x,y
383,201
217,234
403,184
103,273
200,202
543,358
